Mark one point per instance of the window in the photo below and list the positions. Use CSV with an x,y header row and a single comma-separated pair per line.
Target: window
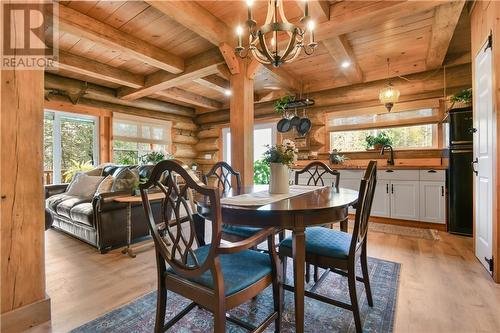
x,y
418,136
68,139
263,134
134,137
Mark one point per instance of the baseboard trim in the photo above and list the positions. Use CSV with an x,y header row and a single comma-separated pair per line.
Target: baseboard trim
x,y
406,223
26,317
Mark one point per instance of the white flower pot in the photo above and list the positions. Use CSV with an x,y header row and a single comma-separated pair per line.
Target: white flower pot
x,y
279,182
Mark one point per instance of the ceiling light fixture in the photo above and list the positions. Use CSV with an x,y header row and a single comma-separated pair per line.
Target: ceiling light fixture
x,y
345,64
276,24
389,95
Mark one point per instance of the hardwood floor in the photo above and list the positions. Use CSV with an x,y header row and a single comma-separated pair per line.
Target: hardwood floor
x,y
443,288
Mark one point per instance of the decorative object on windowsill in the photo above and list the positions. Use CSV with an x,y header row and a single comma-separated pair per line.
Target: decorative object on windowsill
x,y
276,26
313,155
377,142
194,166
280,158
336,158
461,99
389,95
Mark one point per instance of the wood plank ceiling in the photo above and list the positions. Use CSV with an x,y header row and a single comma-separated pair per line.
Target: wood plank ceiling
x,y
129,45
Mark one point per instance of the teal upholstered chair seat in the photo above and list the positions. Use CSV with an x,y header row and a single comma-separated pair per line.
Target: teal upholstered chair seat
x,y
240,231
235,268
324,242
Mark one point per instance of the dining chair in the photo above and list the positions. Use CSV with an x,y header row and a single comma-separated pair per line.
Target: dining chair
x,y
223,175
215,276
338,251
315,175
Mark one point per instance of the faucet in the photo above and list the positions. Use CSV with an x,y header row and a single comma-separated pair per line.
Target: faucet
x,y
390,161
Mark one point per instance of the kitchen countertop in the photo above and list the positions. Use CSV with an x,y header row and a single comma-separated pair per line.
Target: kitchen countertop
x,y
380,167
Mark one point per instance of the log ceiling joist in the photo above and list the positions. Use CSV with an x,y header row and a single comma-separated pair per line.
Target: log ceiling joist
x,y
341,52
214,82
445,21
319,9
190,98
91,91
288,82
84,26
97,70
198,66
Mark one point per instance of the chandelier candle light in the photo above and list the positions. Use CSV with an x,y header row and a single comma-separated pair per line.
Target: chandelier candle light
x,y
276,25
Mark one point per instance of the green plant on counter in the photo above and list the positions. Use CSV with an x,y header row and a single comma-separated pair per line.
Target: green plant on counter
x,y
261,172
280,104
375,141
463,96
75,168
337,159
154,157
126,158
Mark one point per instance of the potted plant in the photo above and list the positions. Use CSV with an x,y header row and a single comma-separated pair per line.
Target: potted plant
x,y
280,104
153,157
335,158
463,97
378,141
194,166
280,158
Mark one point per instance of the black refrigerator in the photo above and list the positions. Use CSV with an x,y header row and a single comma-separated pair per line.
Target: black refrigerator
x,y
459,174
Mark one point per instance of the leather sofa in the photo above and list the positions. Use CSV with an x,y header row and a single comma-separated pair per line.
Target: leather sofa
x,y
99,221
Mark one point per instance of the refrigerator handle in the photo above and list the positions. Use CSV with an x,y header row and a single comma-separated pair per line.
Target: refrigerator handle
x,y
473,169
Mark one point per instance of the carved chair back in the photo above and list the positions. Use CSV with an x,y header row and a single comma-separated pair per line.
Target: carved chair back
x,y
223,174
316,171
175,235
364,206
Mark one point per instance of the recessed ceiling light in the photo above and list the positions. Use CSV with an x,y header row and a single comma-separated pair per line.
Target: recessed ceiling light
x,y
227,92
345,64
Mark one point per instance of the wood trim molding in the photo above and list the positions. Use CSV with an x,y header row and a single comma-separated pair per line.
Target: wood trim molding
x,y
26,317
406,223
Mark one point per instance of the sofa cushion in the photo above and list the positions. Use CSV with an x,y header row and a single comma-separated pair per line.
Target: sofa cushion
x,y
83,213
125,180
84,186
106,185
55,200
64,207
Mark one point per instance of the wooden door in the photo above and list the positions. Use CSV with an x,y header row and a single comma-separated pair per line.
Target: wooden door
x,y
484,145
432,202
405,199
381,205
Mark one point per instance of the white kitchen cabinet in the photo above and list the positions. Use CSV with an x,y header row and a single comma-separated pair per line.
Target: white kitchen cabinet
x,y
432,201
405,199
381,205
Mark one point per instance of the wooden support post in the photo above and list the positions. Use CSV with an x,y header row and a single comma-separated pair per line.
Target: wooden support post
x,y
105,143
23,300
241,119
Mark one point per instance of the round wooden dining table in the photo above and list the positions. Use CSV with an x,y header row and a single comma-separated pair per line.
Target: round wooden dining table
x,y
321,206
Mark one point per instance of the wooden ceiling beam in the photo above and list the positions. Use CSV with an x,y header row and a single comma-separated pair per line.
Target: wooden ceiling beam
x,y
89,28
198,66
349,16
319,10
341,52
445,21
97,70
195,18
214,82
188,97
288,81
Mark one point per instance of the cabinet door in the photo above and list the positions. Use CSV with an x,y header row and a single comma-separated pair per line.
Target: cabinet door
x,y
405,199
432,202
381,205
352,184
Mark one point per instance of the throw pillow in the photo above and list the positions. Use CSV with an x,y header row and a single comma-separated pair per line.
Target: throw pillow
x,y
94,172
105,185
125,180
84,186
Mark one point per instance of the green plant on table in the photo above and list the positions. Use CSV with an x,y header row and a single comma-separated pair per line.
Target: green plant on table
x,y
261,172
380,139
75,168
285,153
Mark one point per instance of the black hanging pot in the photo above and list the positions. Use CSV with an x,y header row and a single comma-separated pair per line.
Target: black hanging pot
x,y
304,126
284,125
295,121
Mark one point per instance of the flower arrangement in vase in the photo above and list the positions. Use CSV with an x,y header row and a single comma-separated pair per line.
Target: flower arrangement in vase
x,y
280,158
